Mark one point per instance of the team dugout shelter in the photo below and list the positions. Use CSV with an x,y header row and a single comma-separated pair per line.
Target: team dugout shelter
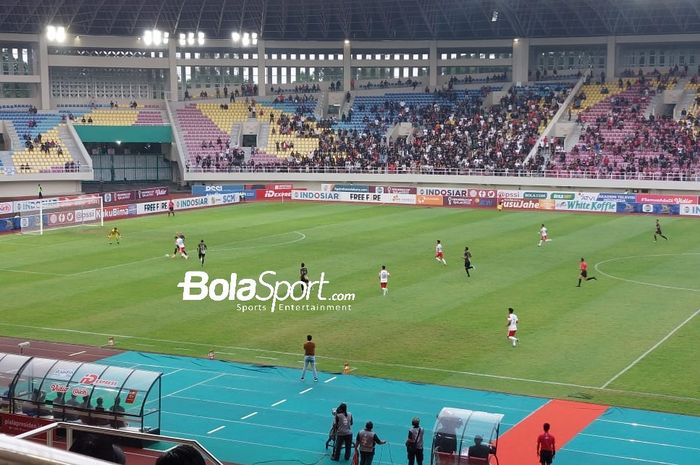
x,y
454,432
48,390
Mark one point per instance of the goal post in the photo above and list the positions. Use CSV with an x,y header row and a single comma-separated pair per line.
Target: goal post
x,y
69,212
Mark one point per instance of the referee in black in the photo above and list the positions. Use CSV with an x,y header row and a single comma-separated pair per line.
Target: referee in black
x,y
467,261
202,251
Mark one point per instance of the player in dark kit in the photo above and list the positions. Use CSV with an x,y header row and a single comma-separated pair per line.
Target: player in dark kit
x,y
304,274
468,261
202,251
658,231
583,267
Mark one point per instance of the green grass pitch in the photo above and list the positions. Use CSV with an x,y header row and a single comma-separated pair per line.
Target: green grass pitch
x,y
436,325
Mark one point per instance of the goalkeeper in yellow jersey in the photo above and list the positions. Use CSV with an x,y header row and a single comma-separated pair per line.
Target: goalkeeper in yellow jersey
x,y
114,235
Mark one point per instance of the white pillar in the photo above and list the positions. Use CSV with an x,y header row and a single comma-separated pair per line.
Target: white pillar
x,y
44,84
433,65
521,60
172,69
347,69
262,87
611,62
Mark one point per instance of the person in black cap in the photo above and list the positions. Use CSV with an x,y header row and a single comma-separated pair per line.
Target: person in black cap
x,y
479,450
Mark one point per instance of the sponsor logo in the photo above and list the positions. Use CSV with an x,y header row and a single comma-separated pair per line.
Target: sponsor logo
x,y
429,199
647,208
457,192
108,197
192,202
5,207
562,196
213,188
95,380
510,194
312,195
586,206
661,198
279,187
59,388
197,286
691,210
586,196
615,197
277,194
521,204
534,195
350,188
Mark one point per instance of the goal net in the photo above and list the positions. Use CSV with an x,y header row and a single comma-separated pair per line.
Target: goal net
x,y
62,213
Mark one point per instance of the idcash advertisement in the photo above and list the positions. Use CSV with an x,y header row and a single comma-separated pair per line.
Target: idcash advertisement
x,y
667,198
459,192
584,206
468,202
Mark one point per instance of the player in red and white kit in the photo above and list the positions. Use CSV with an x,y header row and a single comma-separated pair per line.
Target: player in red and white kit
x,y
512,327
384,280
180,246
543,236
439,256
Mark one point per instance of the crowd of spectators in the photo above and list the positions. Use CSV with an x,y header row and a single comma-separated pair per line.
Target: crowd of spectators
x,y
385,84
297,89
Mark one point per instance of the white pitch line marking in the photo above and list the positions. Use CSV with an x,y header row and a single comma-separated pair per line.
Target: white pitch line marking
x,y
305,391
77,353
266,358
9,270
194,385
278,403
330,379
216,429
249,415
643,283
651,349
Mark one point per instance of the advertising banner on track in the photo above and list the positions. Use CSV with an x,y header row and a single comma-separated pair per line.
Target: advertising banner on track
x,y
689,210
468,202
667,198
430,200
616,197
345,188
459,192
119,211
13,425
529,204
393,190
155,192
187,203
119,196
202,189
586,206
266,194
651,208
6,208
363,197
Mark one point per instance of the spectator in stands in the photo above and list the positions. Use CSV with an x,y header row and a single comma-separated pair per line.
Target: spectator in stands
x,y
184,454
99,447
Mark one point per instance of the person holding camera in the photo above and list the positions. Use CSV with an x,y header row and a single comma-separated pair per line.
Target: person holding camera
x,y
343,432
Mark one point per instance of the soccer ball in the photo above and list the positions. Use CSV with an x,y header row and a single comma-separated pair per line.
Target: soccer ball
x,y
167,255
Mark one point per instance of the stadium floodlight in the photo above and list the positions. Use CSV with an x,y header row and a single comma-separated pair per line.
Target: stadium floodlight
x,y
182,39
148,37
55,33
494,16
190,38
347,41
155,37
200,38
236,36
254,37
166,37
245,41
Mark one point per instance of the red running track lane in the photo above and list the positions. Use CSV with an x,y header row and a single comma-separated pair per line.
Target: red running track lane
x,y
57,350
518,445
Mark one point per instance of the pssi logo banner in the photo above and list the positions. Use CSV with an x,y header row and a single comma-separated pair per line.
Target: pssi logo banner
x,y
197,286
200,189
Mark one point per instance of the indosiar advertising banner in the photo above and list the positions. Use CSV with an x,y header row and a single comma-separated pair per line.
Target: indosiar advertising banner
x,y
474,192
202,189
363,197
586,206
650,208
689,210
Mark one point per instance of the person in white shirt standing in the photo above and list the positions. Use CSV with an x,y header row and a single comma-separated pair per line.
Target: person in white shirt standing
x,y
384,279
439,256
543,236
512,327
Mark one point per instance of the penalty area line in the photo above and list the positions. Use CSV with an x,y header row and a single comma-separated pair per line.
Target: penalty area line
x,y
651,349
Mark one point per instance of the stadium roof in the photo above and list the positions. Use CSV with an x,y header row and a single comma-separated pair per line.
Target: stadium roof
x,y
358,19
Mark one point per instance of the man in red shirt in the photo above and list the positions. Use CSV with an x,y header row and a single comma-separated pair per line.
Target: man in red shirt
x,y
546,446
583,266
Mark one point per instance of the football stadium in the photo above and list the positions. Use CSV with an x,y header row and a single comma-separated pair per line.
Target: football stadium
x,y
440,232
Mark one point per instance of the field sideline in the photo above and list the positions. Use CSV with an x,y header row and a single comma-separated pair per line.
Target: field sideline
x,y
627,339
